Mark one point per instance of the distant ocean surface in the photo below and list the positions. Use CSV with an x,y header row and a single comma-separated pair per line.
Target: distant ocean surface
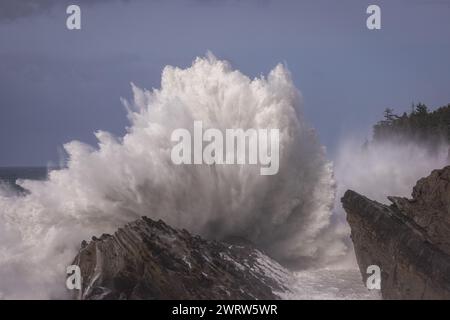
x,y
10,175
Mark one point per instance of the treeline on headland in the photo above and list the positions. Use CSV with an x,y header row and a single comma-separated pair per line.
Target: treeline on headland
x,y
420,125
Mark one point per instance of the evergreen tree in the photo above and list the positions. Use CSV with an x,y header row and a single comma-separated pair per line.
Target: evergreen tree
x,y
421,125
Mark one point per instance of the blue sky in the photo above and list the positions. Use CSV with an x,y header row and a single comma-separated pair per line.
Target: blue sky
x,y
58,85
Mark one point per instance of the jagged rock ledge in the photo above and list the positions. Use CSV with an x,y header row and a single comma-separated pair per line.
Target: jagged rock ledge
x,y
150,260
409,240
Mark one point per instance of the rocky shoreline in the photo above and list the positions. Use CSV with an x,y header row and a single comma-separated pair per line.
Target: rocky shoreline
x,y
148,259
409,239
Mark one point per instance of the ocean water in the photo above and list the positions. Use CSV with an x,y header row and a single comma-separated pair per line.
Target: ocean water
x,y
308,284
330,284
294,216
10,176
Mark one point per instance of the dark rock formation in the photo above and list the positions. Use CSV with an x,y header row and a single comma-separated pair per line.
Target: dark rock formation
x,y
150,260
409,240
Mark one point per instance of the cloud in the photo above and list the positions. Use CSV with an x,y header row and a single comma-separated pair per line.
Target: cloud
x,y
12,9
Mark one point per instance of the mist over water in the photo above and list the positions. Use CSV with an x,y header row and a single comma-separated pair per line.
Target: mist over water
x,y
288,215
377,170
385,168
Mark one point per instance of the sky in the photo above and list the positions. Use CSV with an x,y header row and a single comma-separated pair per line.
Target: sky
x,y
57,85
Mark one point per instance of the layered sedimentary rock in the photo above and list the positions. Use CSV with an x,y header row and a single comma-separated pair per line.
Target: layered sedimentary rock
x,y
409,239
150,260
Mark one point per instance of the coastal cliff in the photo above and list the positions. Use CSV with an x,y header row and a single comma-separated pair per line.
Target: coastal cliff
x,y
409,239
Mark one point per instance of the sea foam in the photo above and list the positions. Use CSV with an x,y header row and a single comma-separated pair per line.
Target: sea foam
x,y
123,178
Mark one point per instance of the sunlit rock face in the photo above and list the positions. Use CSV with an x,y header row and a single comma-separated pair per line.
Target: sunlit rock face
x,y
150,260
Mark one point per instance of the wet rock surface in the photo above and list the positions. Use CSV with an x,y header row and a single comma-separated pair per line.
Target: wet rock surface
x,y
148,259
